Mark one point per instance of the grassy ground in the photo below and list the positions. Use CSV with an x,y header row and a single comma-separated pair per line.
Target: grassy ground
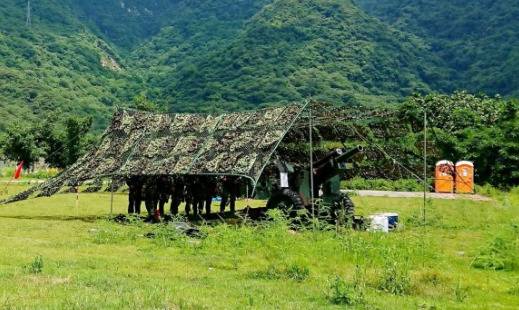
x,y
54,255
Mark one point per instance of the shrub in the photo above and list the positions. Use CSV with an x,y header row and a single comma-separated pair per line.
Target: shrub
x,y
343,293
395,279
36,266
297,272
294,272
270,273
498,255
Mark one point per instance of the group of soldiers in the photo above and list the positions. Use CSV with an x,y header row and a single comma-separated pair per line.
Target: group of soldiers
x,y
197,192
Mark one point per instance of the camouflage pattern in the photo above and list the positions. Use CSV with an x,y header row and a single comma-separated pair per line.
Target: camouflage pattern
x,y
140,143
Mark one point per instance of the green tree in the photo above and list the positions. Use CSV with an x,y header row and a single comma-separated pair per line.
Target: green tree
x,y
141,102
19,143
76,129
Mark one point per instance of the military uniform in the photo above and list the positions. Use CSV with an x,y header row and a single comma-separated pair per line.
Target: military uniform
x,y
188,194
230,191
177,193
135,194
210,192
150,195
198,192
163,192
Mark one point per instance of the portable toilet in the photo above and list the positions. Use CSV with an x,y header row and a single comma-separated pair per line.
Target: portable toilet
x,y
444,177
464,177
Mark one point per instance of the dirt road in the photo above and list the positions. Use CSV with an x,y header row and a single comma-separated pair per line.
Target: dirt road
x,y
369,193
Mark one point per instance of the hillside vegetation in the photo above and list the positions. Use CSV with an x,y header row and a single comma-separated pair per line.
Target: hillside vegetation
x,y
84,57
55,65
478,40
291,50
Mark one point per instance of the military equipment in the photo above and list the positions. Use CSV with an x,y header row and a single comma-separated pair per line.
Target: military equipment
x,y
194,146
295,188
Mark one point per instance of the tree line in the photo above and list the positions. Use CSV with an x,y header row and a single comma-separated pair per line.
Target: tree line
x,y
59,140
462,126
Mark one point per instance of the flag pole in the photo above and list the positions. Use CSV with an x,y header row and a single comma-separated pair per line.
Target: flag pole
x,y
16,175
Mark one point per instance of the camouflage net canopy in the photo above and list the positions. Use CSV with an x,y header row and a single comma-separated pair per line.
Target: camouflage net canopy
x,y
140,143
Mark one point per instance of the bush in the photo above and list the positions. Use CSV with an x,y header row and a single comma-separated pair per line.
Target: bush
x,y
297,272
36,266
500,254
294,272
270,273
395,279
343,293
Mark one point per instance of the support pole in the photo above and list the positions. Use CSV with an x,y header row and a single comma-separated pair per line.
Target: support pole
x,y
77,200
111,197
248,196
311,138
424,166
424,222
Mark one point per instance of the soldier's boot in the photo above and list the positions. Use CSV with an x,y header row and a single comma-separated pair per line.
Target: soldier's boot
x,y
161,207
208,205
131,204
199,207
138,206
150,209
194,206
223,203
175,203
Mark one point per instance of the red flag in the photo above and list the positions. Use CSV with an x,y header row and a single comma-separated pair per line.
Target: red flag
x,y
18,171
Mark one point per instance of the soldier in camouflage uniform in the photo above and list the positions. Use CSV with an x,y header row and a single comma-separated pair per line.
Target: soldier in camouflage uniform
x,y
188,193
177,193
150,194
210,192
134,194
164,185
198,192
230,191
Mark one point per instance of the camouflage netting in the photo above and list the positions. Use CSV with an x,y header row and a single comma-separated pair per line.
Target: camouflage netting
x,y
141,143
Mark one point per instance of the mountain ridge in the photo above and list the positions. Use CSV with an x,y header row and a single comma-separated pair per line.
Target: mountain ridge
x,y
209,56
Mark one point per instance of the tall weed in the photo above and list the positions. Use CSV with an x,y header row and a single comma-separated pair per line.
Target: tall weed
x,y
341,292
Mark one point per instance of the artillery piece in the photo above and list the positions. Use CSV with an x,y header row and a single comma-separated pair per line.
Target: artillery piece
x,y
293,192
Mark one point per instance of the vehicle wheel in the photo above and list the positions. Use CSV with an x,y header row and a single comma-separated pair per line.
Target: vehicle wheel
x,y
286,200
344,210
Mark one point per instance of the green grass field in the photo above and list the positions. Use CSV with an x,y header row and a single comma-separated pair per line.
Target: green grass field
x,y
54,255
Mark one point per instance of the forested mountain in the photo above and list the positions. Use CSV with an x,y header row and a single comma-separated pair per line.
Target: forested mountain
x,y
477,40
291,50
84,57
55,63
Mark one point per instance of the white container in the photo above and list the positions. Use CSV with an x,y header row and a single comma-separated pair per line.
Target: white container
x,y
379,223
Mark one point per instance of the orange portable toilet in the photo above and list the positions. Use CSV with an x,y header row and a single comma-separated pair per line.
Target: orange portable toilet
x,y
465,177
444,177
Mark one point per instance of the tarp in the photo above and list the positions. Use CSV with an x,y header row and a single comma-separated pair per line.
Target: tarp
x,y
142,143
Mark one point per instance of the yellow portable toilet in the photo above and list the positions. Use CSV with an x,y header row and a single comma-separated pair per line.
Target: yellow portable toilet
x,y
444,177
465,177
